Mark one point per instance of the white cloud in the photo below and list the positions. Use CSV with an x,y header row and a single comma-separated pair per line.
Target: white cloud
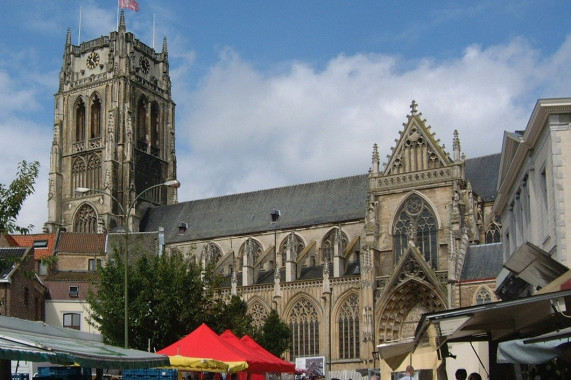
x,y
244,129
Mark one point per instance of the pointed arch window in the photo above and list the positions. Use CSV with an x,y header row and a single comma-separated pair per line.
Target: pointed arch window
x,y
334,238
78,170
294,243
348,327
155,130
85,220
95,117
304,325
80,120
494,231
415,221
483,296
211,254
252,250
142,135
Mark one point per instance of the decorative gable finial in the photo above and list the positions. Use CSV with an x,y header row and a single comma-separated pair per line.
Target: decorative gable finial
x,y
456,145
413,108
165,48
376,159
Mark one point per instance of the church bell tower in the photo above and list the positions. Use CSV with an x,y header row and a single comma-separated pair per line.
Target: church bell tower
x,y
114,134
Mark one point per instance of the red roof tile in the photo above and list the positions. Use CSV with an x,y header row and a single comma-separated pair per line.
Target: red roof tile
x,y
78,242
39,251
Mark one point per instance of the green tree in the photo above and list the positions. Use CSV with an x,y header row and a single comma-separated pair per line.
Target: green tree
x,y
169,296
275,335
12,197
236,318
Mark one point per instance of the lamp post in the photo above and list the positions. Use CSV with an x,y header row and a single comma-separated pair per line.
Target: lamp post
x,y
172,183
275,215
375,357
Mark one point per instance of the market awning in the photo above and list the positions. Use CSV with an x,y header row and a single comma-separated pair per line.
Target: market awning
x,y
499,321
534,266
37,341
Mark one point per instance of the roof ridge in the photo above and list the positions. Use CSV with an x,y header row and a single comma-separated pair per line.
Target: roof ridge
x,y
274,188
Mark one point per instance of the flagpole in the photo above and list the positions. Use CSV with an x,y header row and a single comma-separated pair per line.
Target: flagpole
x,y
153,30
79,33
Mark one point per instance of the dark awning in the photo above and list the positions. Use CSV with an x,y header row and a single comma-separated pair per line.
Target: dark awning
x,y
534,266
499,321
37,341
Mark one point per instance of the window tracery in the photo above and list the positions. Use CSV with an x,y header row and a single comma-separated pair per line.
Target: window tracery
x,y
483,296
304,324
494,231
348,327
259,314
85,219
415,221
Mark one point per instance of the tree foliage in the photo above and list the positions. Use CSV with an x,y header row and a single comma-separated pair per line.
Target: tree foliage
x,y
169,296
275,335
12,197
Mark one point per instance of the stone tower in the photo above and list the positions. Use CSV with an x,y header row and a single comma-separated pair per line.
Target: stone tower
x,y
114,133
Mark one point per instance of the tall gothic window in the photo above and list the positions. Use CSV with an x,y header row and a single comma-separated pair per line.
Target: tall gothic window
x,y
142,137
333,237
78,173
415,221
85,219
80,120
293,242
95,113
348,327
155,131
304,325
93,173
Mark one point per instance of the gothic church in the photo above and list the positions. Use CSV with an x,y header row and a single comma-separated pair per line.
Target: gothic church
x,y
349,263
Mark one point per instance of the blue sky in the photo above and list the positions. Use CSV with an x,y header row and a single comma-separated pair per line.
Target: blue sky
x,y
274,93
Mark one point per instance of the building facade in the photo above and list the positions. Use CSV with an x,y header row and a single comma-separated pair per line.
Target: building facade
x,y
533,185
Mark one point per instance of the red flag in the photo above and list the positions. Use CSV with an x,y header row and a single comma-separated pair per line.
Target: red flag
x,y
129,4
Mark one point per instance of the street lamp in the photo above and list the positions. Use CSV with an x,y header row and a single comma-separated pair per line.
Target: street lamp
x,y
275,215
376,355
82,190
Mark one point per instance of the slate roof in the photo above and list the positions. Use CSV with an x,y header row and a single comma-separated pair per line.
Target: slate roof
x,y
9,254
483,175
482,261
78,242
331,201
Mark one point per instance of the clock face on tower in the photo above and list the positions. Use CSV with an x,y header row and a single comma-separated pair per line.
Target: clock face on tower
x,y
144,63
92,60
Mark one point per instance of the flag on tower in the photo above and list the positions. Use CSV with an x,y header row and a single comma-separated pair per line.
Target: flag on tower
x,y
129,4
